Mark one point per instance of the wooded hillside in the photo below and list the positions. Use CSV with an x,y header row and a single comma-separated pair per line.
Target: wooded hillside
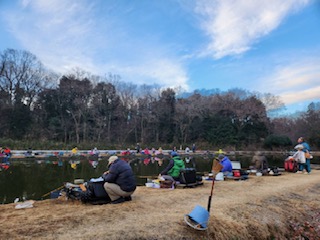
x,y
79,108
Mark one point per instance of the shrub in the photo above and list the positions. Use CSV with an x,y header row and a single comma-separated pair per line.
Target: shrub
x,y
277,141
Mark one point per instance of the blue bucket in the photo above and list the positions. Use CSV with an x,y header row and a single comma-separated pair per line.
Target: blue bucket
x,y
200,215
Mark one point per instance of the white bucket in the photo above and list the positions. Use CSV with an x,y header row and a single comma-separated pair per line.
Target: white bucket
x,y
219,177
148,184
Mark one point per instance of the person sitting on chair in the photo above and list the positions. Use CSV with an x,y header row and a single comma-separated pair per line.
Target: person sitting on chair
x,y
226,163
174,166
260,162
120,182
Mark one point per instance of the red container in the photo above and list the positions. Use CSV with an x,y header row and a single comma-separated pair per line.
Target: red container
x,y
236,173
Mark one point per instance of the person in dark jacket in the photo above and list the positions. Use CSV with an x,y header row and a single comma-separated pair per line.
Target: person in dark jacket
x,y
174,166
120,182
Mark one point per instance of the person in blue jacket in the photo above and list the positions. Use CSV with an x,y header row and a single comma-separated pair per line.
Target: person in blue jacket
x,y
306,149
120,182
226,163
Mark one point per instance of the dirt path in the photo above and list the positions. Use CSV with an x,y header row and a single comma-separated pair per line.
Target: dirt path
x,y
259,208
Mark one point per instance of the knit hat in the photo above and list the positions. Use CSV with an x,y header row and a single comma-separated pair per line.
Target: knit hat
x,y
174,153
299,146
112,159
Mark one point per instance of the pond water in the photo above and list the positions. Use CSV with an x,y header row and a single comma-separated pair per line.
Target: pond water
x,y
36,178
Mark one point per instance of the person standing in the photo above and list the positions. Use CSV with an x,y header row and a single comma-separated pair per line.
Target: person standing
x,y
306,150
7,155
138,148
7,152
300,157
120,182
194,148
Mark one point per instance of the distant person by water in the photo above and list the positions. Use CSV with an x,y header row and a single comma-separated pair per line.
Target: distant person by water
x,y
259,162
187,150
194,148
138,148
300,157
306,149
74,151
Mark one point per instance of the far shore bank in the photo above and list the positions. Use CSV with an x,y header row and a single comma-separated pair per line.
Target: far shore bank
x,y
16,154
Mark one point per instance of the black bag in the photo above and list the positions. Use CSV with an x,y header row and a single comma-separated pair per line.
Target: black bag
x,y
95,193
73,193
275,171
97,189
188,176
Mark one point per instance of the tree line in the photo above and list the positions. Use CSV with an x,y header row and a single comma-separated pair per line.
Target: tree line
x,y
82,108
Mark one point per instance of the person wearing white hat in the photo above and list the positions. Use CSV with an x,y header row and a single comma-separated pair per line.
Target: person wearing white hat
x,y
112,159
120,182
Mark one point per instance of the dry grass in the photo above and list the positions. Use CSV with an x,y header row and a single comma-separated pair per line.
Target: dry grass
x,y
259,208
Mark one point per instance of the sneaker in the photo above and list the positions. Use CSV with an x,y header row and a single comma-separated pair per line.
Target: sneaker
x,y
128,198
306,173
119,200
299,172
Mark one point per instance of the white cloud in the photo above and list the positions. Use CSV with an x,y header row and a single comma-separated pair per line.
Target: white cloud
x,y
162,71
309,95
295,82
53,30
71,34
234,25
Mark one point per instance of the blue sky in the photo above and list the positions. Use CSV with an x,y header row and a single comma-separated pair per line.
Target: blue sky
x,y
269,46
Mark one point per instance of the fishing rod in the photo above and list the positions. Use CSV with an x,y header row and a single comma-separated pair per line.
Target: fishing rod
x,y
216,168
59,188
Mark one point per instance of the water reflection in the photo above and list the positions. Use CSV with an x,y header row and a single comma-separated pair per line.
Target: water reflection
x,y
33,178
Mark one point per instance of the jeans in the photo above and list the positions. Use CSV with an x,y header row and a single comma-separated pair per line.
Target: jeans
x,y
305,166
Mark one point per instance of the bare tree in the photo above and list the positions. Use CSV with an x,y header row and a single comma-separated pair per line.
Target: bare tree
x,y
186,111
128,96
272,103
105,102
76,95
22,70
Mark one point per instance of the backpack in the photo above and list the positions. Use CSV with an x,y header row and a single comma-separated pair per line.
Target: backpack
x,y
89,192
72,191
188,176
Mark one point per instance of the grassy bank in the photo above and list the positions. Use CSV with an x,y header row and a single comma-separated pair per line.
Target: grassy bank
x,y
282,207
